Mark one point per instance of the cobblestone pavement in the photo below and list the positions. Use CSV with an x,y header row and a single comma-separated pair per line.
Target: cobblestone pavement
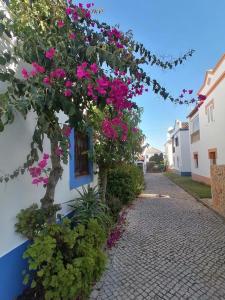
x,y
173,248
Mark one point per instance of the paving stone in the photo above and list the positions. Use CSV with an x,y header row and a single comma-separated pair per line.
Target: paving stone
x,y
173,248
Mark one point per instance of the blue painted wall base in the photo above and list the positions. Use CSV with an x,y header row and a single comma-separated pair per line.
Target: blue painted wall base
x,y
185,173
11,279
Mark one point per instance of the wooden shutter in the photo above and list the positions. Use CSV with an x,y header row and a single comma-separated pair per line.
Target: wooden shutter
x,y
81,154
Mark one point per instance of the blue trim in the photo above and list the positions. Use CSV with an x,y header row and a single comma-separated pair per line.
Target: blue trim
x,y
185,173
75,182
11,278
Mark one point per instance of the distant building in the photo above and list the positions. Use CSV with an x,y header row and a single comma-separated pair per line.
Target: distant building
x,y
169,150
207,125
147,153
178,143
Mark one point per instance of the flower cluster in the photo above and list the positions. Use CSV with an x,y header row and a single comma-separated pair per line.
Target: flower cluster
x,y
115,37
78,12
117,232
201,100
36,69
110,129
39,173
84,71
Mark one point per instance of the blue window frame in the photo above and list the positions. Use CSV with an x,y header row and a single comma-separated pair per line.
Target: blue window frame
x,y
76,181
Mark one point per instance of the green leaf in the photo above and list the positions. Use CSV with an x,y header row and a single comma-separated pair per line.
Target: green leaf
x,y
90,51
1,126
7,56
2,29
2,60
26,279
33,284
5,77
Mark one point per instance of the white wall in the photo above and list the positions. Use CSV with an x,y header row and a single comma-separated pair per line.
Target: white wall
x,y
211,134
20,193
169,153
182,151
185,151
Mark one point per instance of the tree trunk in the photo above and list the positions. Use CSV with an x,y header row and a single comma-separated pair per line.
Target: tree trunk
x,y
56,172
102,178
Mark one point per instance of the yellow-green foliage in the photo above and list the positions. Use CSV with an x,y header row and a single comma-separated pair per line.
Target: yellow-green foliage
x,y
66,261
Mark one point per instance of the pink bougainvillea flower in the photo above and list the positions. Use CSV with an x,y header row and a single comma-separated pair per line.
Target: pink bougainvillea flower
x,y
33,73
68,83
36,181
47,81
94,68
58,73
46,156
201,97
80,5
69,10
119,46
38,68
25,73
135,129
35,172
67,93
59,151
81,72
66,130
190,92
43,163
50,53
88,5
72,36
45,180
60,23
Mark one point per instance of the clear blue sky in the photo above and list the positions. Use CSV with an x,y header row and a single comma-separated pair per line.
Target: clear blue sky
x,y
170,28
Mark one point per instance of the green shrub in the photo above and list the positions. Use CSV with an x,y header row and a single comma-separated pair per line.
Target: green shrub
x,y
88,206
115,206
32,219
125,182
65,261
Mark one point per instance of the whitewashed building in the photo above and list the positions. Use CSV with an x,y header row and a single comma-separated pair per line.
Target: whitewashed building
x,y
169,150
179,140
207,125
147,153
19,193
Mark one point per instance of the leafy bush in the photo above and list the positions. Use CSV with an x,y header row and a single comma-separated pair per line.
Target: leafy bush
x,y
88,206
65,261
32,219
115,205
154,167
125,182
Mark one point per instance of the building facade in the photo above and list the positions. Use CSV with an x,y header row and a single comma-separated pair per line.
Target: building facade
x,y
178,142
169,150
207,125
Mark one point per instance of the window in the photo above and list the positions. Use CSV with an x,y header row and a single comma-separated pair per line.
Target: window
x,y
176,142
195,129
81,167
81,154
196,160
212,157
195,124
210,113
